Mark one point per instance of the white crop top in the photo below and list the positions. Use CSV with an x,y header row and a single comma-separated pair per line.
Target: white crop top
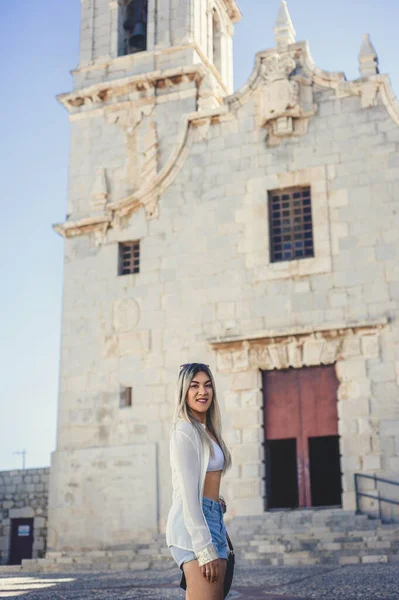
x,y
217,462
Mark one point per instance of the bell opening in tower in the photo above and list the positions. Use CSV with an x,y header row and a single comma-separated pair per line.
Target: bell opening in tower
x,y
134,21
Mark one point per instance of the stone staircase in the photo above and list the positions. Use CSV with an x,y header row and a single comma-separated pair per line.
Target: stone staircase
x,y
298,537
312,537
148,554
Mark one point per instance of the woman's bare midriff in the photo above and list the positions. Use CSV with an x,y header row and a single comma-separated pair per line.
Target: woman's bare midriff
x,y
212,485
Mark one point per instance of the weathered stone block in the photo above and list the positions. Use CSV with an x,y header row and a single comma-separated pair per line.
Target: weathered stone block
x,y
252,471
251,398
249,417
232,400
382,372
348,390
248,506
224,361
312,352
225,310
369,426
350,463
350,346
240,359
372,462
233,436
356,445
247,488
248,380
351,369
253,436
349,409
246,453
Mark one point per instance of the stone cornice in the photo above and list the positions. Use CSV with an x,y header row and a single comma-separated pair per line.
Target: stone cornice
x,y
97,94
273,335
87,225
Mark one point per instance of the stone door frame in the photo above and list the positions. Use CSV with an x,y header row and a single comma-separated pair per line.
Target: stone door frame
x,y
240,362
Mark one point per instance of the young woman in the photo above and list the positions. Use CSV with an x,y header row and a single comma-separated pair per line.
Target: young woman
x,y
195,532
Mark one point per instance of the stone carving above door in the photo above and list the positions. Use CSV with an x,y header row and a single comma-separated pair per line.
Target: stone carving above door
x,y
298,347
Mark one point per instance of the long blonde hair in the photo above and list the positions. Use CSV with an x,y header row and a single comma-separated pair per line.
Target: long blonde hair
x,y
213,417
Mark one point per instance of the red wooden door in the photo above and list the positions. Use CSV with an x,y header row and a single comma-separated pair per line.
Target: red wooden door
x,y
301,405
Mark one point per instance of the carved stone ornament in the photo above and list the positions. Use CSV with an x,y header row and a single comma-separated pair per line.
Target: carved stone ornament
x,y
280,95
299,348
126,315
286,103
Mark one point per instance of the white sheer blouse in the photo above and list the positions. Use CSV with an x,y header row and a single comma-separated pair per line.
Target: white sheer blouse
x,y
186,526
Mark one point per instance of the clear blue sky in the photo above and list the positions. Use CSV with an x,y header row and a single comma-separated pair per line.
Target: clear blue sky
x,y
39,46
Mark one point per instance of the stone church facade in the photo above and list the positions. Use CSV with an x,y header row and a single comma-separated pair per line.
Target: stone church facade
x,y
255,231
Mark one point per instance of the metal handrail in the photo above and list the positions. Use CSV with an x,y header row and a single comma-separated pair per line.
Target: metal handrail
x,y
377,497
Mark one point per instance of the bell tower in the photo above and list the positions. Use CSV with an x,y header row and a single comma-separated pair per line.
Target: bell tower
x,y
147,35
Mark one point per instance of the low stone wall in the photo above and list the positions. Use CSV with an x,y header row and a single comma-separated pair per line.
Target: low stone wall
x,y
24,494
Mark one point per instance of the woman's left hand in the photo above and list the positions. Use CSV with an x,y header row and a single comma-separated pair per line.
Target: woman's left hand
x,y
211,571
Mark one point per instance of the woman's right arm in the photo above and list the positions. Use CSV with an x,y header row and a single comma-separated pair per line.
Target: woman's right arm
x,y
186,461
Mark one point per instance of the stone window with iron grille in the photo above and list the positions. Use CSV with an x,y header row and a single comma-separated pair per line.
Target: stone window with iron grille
x,y
290,224
129,258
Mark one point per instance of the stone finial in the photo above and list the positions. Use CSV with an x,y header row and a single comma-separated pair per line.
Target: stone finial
x,y
284,32
368,59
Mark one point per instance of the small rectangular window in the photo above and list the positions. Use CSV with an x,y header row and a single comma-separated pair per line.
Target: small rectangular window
x,y
125,397
290,224
129,258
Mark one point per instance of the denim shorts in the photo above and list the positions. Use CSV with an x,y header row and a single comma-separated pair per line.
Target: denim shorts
x,y
213,514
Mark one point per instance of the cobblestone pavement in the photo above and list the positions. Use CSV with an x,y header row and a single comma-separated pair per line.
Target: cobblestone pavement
x,y
367,582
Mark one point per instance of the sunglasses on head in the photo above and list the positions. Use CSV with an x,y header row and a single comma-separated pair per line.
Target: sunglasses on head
x,y
190,364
